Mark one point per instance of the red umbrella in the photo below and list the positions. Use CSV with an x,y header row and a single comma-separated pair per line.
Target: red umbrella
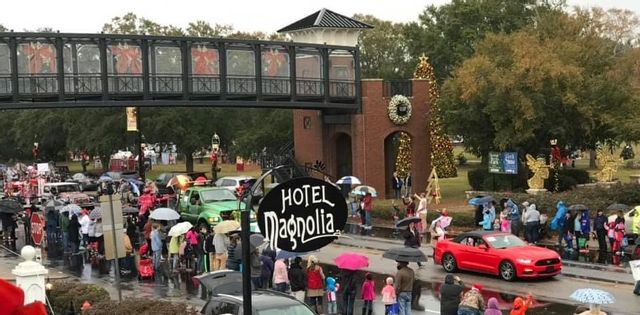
x,y
351,261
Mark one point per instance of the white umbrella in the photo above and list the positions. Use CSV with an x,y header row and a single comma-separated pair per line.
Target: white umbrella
x,y
593,296
164,214
348,180
226,226
72,208
180,228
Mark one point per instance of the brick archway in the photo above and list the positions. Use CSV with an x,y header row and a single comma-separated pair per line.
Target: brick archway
x,y
390,156
315,135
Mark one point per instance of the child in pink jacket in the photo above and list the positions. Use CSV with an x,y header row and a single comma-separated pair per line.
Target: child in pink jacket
x,y
368,294
388,296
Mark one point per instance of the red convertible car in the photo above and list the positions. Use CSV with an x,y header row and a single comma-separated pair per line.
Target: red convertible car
x,y
497,253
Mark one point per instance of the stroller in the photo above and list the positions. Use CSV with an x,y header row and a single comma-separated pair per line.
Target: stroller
x,y
145,266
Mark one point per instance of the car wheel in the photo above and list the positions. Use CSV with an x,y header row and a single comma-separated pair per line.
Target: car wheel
x,y
507,271
449,263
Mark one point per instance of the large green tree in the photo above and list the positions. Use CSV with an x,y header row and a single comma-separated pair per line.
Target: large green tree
x,y
562,79
383,50
448,33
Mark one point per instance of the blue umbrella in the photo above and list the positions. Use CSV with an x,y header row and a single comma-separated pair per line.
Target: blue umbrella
x,y
479,201
283,254
593,296
135,188
105,178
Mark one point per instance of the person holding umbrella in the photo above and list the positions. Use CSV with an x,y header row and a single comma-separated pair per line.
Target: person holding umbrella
x,y
367,201
412,237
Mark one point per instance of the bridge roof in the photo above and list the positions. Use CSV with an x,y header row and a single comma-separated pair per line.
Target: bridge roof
x,y
325,18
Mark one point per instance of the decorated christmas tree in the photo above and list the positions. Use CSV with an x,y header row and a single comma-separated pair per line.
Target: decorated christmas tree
x,y
441,147
403,160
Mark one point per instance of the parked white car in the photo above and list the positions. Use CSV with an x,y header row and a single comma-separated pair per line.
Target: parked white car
x,y
232,182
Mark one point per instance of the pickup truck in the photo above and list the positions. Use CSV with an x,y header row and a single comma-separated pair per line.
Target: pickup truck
x,y
206,206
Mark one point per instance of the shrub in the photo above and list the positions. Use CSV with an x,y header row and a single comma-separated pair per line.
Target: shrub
x,y
65,295
481,179
567,179
462,160
135,306
579,175
476,178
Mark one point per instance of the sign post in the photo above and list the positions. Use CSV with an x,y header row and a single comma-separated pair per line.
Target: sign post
x,y
37,227
314,212
503,163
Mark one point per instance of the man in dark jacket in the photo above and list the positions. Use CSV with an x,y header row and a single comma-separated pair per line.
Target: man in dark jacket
x,y
348,287
267,269
297,279
599,224
450,294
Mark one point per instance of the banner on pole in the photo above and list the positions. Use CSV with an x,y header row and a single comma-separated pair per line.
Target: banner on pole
x,y
132,119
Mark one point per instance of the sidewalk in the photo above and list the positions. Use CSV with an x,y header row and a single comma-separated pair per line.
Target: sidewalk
x,y
9,261
610,274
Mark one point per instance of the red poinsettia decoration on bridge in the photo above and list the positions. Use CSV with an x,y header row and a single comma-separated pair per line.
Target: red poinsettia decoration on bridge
x,y
41,56
274,60
128,59
204,59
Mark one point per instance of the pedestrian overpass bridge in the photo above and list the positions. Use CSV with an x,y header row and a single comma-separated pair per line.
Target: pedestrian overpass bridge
x,y
55,70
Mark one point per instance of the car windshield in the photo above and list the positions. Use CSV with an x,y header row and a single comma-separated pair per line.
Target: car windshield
x,y
216,195
504,241
67,188
286,310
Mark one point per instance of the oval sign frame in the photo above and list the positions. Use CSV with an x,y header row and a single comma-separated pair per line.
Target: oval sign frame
x,y
302,214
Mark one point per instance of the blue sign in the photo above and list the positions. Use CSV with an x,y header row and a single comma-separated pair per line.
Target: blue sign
x,y
503,162
510,162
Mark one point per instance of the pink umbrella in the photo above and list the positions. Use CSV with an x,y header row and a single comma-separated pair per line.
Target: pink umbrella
x,y
351,261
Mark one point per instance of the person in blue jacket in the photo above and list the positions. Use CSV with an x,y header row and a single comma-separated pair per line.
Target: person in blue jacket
x,y
558,222
487,220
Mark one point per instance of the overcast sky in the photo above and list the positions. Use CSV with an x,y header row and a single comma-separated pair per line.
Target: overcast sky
x,y
88,16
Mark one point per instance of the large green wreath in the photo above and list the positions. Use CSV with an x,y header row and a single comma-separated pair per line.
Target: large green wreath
x,y
396,114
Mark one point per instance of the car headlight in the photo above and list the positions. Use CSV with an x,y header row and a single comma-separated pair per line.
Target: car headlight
x,y
213,219
524,261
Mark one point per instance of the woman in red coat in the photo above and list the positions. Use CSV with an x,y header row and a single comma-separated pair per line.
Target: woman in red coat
x,y
315,284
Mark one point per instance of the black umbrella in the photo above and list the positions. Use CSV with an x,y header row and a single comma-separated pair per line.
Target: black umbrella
x,y
617,206
406,221
405,254
222,282
128,210
578,207
10,206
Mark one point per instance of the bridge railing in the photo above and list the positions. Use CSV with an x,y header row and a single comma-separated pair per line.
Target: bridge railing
x,y
77,69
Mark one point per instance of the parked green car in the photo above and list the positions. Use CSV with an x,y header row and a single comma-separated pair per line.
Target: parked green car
x,y
208,206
